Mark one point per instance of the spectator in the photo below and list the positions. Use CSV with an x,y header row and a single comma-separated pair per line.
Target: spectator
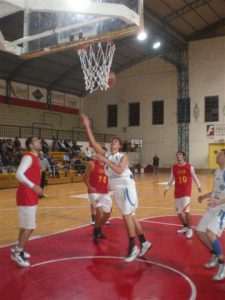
x,y
66,144
44,146
17,144
88,153
156,164
44,167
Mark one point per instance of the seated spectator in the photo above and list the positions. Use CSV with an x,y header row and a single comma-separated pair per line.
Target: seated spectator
x,y
76,148
55,144
61,146
88,153
66,144
54,164
17,144
80,166
44,145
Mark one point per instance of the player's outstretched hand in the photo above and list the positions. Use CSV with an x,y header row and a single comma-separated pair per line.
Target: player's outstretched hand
x,y
200,190
201,198
165,192
38,190
213,202
85,120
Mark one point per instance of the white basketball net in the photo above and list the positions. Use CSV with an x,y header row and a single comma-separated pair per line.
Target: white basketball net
x,y
96,62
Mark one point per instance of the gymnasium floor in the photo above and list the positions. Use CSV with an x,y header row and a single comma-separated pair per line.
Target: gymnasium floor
x,y
66,265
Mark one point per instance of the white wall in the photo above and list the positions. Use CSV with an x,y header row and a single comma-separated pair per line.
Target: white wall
x,y
207,78
25,116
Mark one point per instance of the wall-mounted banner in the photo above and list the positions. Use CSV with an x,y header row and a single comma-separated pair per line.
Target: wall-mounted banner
x,y
72,101
215,131
58,98
196,112
37,94
2,87
19,90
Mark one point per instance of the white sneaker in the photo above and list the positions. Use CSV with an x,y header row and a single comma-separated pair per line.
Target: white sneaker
x,y
144,248
213,262
182,230
107,222
133,253
189,233
19,258
220,275
15,249
92,222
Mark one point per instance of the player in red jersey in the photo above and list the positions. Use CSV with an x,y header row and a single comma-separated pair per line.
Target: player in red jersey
x,y
183,173
29,176
98,193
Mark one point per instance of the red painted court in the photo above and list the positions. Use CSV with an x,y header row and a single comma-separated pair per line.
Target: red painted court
x,y
68,266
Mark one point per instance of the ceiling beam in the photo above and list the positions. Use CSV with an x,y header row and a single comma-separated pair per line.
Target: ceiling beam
x,y
205,32
186,9
166,30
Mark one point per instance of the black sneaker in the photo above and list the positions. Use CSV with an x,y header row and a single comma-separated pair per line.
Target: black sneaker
x,y
102,236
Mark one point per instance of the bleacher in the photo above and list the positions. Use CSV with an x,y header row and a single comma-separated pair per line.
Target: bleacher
x,y
8,180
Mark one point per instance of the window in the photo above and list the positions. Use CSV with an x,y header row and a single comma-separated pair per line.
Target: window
x,y
158,112
183,110
134,114
112,115
211,109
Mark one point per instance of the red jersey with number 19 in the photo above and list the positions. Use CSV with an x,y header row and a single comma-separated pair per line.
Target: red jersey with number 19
x,y
183,180
25,196
98,179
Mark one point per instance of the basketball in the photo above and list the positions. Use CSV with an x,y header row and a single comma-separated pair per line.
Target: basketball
x,y
112,79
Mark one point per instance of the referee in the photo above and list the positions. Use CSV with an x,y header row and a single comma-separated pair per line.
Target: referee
x,y
44,167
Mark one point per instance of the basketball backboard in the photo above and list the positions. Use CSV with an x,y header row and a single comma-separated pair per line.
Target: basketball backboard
x,y
54,25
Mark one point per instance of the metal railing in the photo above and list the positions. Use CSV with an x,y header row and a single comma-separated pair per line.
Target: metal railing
x,y
78,134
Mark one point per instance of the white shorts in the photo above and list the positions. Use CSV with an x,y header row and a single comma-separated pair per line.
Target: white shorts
x,y
101,200
125,195
214,220
27,216
182,205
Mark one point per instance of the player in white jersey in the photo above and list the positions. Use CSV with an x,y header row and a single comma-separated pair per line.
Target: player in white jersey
x,y
122,183
212,224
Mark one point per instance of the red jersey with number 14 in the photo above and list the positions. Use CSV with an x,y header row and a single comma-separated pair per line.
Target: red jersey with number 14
x,y
183,180
98,179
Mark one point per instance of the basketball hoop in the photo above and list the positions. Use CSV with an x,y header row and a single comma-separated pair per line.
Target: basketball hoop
x,y
96,61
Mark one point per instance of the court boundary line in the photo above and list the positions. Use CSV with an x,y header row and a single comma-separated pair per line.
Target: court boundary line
x,y
185,277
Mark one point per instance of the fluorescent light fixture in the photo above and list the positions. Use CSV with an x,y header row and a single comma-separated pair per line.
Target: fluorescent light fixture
x,y
156,45
142,36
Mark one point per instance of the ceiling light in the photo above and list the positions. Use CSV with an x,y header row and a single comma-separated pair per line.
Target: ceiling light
x,y
156,45
142,36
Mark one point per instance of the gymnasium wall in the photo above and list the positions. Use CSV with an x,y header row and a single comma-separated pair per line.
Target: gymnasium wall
x,y
156,79
150,80
23,116
28,105
207,78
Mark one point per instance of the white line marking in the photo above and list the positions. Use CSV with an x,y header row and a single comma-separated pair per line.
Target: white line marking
x,y
164,223
189,281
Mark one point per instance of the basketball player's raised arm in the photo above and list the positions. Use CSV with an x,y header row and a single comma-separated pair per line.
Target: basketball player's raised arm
x,y
116,168
23,167
170,182
195,179
86,122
